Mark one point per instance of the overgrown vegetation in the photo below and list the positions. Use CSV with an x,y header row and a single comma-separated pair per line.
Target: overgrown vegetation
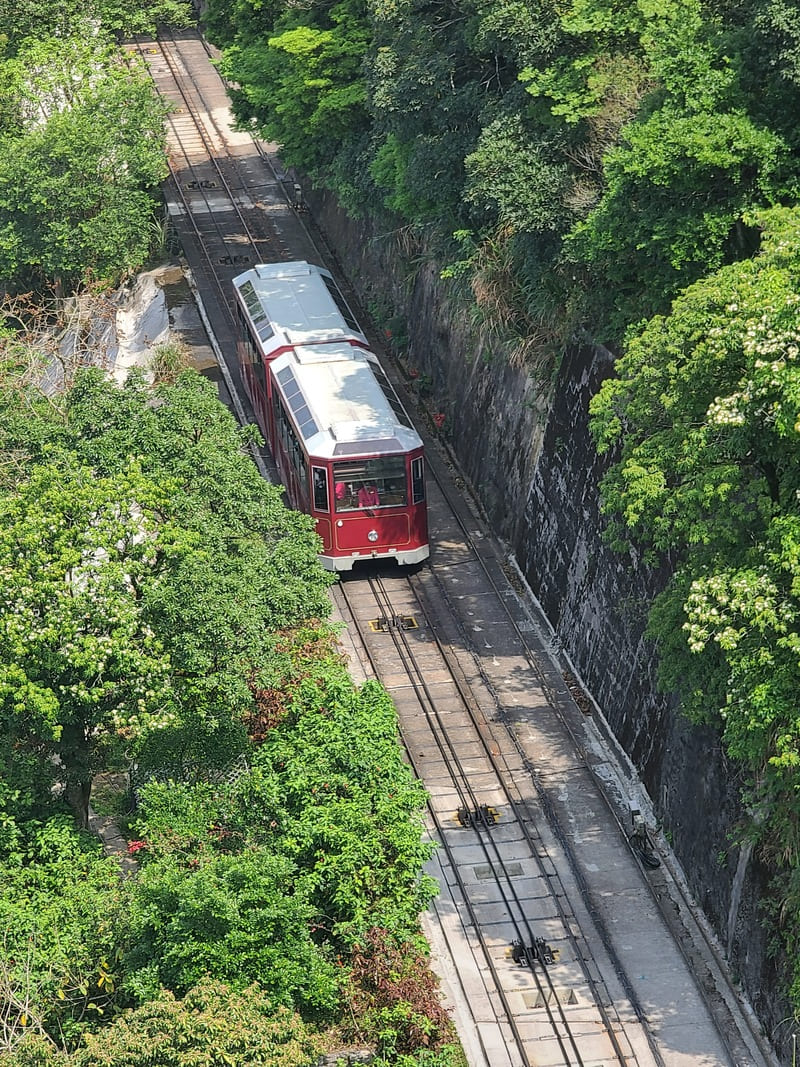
x,y
82,143
613,150
163,610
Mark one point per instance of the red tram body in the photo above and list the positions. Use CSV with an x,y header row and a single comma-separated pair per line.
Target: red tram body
x,y
343,443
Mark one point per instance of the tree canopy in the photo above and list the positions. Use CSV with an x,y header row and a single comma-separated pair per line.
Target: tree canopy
x,y
78,660
82,146
703,422
146,563
605,155
230,1027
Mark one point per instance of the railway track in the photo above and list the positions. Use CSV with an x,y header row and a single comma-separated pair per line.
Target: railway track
x,y
490,823
562,953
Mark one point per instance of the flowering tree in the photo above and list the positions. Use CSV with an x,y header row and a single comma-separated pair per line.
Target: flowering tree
x,y
705,415
145,598
78,663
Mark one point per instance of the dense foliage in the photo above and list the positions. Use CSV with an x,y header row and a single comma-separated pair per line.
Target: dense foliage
x,y
82,151
146,563
273,876
704,420
163,608
601,156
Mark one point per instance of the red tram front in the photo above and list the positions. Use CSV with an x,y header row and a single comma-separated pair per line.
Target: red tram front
x,y
344,445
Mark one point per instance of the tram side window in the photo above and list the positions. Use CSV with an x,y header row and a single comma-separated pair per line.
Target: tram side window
x,y
417,481
320,476
289,441
252,354
245,336
372,483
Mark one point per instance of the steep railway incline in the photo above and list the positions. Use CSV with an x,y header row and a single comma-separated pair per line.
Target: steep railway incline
x,y
557,945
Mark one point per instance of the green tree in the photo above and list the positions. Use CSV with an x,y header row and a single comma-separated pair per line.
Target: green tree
x,y
678,190
224,565
704,420
227,1027
424,99
85,146
349,807
325,814
326,789
78,662
302,83
255,570
521,179
683,145
238,916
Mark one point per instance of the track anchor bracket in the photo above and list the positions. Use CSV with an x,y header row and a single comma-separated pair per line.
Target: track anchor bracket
x,y
538,952
484,815
393,622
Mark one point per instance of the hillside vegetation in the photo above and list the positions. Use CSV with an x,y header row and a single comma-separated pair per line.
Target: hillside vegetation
x,y
625,173
163,612
163,616
597,157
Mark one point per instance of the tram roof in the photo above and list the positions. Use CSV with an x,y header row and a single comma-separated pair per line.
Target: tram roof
x,y
295,303
335,394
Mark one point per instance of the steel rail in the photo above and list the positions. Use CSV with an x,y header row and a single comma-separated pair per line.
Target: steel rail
x,y
508,1008
537,845
564,843
212,156
468,796
520,923
522,926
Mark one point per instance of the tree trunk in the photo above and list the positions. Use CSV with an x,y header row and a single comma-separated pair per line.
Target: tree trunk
x,y
74,752
77,796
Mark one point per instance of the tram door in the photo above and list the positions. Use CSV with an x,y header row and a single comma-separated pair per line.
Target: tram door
x,y
321,503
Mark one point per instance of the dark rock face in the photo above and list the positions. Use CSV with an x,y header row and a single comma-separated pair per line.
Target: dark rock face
x,y
533,466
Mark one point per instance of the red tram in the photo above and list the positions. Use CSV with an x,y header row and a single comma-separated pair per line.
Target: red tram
x,y
343,443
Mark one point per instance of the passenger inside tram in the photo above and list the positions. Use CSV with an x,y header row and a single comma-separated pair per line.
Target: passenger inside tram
x,y
376,483
368,496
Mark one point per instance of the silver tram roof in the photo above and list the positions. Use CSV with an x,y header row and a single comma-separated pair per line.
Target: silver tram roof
x,y
339,403
295,304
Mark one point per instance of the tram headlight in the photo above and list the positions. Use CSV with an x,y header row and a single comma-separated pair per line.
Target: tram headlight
x,y
372,535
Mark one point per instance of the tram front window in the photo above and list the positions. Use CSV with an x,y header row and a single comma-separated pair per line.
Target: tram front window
x,y
372,483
